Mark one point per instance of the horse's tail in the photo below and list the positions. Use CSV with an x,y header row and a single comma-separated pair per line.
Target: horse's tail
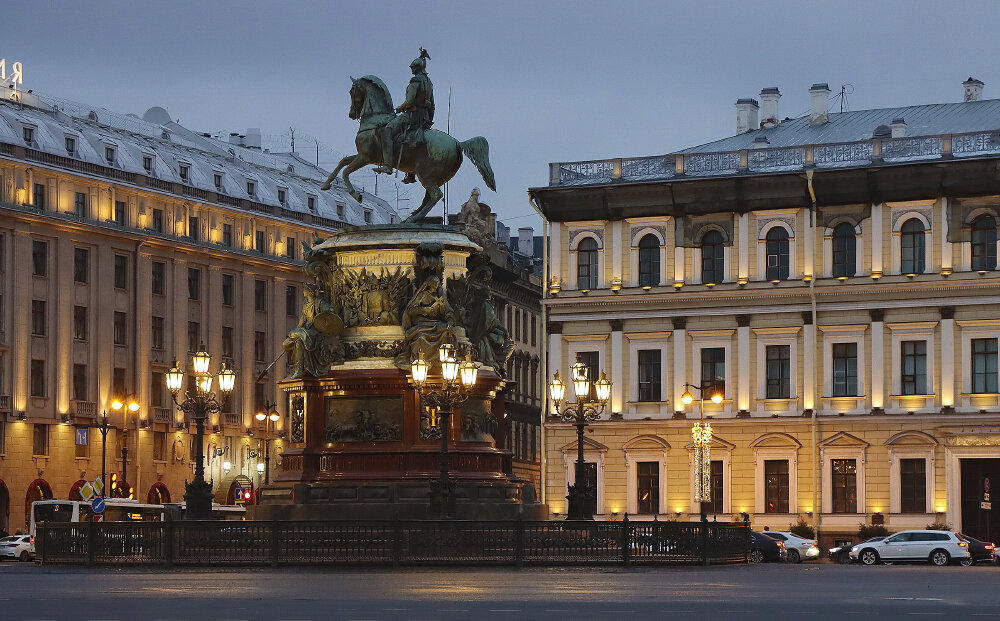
x,y
478,150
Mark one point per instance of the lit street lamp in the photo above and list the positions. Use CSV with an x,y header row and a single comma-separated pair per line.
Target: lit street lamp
x,y
199,405
457,379
125,405
701,437
585,410
267,416
103,428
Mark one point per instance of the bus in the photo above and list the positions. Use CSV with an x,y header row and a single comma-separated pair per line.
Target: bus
x,y
118,510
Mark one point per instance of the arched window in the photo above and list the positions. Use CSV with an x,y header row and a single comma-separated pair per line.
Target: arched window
x,y
713,261
912,247
586,264
777,254
844,250
984,243
649,261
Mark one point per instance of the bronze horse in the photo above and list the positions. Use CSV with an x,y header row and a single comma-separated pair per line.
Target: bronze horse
x,y
434,161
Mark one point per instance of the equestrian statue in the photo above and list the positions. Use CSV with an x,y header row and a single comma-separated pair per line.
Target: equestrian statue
x,y
402,139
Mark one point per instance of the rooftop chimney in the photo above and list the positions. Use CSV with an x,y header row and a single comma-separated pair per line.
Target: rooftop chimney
x,y
526,241
769,106
898,128
252,138
819,94
746,115
973,89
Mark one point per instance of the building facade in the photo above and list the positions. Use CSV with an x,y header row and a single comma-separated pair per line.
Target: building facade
x,y
126,244
833,277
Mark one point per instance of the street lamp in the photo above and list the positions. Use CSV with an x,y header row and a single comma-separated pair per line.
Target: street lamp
x,y
457,379
103,428
583,411
267,416
125,404
701,438
199,405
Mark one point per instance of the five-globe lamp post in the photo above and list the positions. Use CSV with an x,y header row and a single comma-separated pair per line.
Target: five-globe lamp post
x,y
701,438
124,404
268,416
199,405
591,398
457,379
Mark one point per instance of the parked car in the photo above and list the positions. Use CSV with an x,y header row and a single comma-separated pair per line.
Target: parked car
x,y
979,551
20,547
766,549
798,548
938,547
842,554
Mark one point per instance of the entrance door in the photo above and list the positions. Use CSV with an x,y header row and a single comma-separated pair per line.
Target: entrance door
x,y
4,508
977,522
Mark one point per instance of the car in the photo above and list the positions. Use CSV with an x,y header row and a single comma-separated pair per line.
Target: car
x,y
798,548
764,548
842,554
21,547
938,547
979,551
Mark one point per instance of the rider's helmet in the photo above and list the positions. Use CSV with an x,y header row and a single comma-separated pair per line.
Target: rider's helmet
x,y
420,61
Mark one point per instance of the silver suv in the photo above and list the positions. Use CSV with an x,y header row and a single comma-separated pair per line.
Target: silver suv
x,y
938,547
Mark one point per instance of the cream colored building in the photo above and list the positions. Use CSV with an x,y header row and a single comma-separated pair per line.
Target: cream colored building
x,y
835,275
125,243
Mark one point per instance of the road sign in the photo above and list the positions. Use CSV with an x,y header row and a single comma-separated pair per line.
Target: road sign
x,y
81,435
98,517
239,497
986,505
98,486
98,505
87,491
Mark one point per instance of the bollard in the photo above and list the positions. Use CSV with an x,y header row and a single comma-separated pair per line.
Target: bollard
x,y
626,541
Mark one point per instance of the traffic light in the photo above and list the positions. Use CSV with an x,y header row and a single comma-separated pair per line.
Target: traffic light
x,y
248,496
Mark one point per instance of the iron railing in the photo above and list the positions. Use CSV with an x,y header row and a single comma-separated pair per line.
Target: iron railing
x,y
393,542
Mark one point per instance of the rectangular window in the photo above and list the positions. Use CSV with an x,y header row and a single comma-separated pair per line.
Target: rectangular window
x,y
718,493
79,382
251,189
147,163
649,374
368,216
118,382
80,325
845,369
158,220
984,366
259,241
158,278
28,133
913,359
194,336
217,179
260,295
648,486
38,327
40,443
778,371
534,331
121,328
81,264
39,258
227,289
184,169
120,213
281,196
227,342
912,485
121,271
776,486
227,235
845,485
291,301
290,250
39,197
194,283
713,369
259,346
592,360
156,387
80,204
311,205
193,230
156,332
159,445
70,145
37,378
109,155
3,436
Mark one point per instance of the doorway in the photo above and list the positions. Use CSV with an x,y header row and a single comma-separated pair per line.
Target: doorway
x,y
978,522
4,508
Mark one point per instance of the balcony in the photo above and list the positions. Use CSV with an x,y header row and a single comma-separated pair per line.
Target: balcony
x,y
5,403
161,415
233,420
84,409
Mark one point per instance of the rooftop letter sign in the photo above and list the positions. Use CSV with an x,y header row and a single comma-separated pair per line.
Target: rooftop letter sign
x,y
16,75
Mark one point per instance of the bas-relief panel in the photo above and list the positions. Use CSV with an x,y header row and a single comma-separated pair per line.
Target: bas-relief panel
x,y
363,419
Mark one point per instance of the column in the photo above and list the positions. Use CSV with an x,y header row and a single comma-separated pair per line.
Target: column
x,y
60,311
808,362
946,258
100,318
142,310
617,355
743,248
179,272
877,268
213,300
743,366
246,371
554,353
555,252
678,266
878,361
278,330
947,359
680,363
21,268
809,248
615,246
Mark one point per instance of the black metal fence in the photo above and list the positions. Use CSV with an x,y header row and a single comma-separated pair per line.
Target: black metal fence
x,y
392,543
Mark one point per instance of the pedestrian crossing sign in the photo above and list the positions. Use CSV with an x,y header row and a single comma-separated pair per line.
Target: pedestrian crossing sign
x,y
98,486
87,491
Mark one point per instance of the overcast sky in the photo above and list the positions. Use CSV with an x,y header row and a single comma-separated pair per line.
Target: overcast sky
x,y
542,81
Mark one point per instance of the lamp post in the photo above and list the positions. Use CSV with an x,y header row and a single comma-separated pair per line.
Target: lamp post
x,y
701,437
268,415
125,404
199,405
457,379
103,428
583,411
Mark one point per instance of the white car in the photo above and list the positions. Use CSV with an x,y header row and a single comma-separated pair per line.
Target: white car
x,y
938,547
20,547
799,548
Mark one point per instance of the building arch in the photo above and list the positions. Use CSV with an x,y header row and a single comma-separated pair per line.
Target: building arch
x,y
39,489
639,234
776,439
158,494
912,437
582,235
74,491
764,230
240,481
903,218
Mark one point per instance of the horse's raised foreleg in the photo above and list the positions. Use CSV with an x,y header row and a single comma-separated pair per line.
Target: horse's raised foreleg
x,y
355,164
329,180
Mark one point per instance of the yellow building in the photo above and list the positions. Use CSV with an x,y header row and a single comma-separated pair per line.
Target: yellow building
x,y
125,243
833,277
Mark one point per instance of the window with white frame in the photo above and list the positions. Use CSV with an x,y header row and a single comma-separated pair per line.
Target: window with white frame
x,y
775,248
649,261
911,239
593,456
648,353
912,358
777,377
713,258
650,366
911,472
719,476
645,471
844,250
984,243
843,459
912,247
979,356
844,353
587,264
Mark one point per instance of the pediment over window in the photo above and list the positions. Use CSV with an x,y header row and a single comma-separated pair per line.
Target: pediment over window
x,y
646,442
845,440
776,440
912,438
588,445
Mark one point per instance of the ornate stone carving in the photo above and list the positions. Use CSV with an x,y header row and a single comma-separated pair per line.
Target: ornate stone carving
x,y
430,423
472,301
298,419
315,343
373,349
476,220
364,419
428,320
478,423
370,300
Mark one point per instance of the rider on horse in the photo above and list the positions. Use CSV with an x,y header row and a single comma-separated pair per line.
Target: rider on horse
x,y
416,114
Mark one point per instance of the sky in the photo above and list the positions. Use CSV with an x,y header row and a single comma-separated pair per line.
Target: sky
x,y
543,81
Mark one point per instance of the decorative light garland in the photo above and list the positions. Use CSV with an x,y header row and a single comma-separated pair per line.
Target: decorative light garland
x,y
702,438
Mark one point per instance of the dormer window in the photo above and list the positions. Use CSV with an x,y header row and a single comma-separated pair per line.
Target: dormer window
x,y
29,135
185,170
147,163
70,145
311,203
251,188
368,216
282,197
217,177
340,210
109,155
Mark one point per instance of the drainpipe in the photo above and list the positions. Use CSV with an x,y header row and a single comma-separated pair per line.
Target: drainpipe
x,y
815,422
543,354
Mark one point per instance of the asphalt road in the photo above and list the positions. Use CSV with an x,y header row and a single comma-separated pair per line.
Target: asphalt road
x,y
817,591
